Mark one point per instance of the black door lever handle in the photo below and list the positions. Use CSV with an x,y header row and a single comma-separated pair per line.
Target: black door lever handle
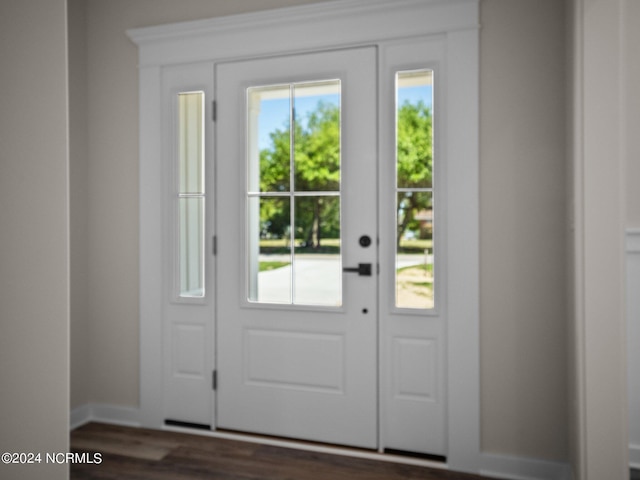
x,y
363,269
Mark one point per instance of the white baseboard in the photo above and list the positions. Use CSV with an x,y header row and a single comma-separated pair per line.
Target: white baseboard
x,y
634,456
518,468
80,415
113,414
129,416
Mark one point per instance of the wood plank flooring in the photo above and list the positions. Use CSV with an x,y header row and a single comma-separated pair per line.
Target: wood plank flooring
x,y
142,454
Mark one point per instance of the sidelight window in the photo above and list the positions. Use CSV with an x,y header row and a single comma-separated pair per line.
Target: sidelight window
x,y
415,220
191,194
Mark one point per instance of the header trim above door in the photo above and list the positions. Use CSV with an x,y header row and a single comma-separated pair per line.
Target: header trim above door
x,y
351,23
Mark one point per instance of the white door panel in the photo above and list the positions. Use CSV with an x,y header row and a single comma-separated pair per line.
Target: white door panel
x,y
188,299
413,332
295,369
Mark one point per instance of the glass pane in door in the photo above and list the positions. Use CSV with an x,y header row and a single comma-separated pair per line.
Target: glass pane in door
x,y
293,193
269,118
270,253
317,136
317,264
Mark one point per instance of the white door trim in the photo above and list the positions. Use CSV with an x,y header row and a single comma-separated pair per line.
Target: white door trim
x,y
351,23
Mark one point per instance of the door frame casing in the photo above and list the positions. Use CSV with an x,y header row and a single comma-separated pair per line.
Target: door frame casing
x,y
351,23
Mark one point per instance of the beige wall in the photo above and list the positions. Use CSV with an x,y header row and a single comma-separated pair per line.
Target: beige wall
x,y
522,221
79,203
632,103
522,206
34,283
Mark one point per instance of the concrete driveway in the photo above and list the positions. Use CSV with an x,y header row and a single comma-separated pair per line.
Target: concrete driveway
x,y
318,279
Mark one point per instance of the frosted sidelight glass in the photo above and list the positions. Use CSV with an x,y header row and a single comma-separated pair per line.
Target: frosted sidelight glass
x,y
191,194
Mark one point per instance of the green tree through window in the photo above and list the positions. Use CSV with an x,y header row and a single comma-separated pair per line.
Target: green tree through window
x,y
317,168
414,163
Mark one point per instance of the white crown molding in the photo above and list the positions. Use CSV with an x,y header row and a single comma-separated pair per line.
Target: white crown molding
x,y
276,17
288,29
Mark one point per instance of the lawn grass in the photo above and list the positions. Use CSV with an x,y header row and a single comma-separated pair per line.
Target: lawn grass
x,y
422,266
422,284
332,245
266,266
415,246
281,245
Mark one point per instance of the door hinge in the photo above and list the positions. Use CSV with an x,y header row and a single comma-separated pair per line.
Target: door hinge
x,y
214,245
214,380
214,110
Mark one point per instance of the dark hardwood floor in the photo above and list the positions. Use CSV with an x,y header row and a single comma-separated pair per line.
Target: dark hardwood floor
x,y
142,454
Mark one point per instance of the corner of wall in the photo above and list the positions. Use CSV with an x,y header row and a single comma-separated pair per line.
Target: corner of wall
x,y
79,201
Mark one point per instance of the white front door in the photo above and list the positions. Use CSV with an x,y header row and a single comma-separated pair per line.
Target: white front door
x,y
295,347
297,320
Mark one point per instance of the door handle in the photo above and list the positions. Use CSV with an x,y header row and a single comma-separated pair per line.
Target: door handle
x,y
363,269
